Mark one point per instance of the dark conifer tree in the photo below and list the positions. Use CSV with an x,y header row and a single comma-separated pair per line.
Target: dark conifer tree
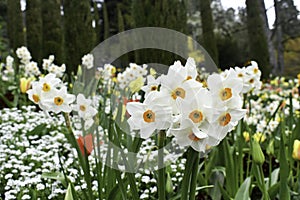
x,y
34,29
52,30
15,24
209,42
79,34
257,38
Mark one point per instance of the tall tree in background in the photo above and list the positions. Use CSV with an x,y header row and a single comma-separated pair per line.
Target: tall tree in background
x,y
170,14
268,34
209,42
279,38
79,34
287,26
106,21
52,30
15,24
3,29
34,29
96,18
257,38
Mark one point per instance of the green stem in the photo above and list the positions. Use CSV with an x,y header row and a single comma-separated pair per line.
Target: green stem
x,y
185,185
128,166
98,162
264,189
161,169
82,162
194,175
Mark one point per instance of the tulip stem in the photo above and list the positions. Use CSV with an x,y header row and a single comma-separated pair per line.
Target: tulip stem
x,y
83,162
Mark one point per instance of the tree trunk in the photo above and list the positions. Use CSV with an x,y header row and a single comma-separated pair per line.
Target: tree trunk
x,y
80,36
257,39
268,34
52,30
15,24
279,42
209,41
34,30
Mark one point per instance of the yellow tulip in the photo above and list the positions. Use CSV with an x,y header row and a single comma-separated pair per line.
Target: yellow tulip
x,y
246,136
136,85
24,84
259,137
296,150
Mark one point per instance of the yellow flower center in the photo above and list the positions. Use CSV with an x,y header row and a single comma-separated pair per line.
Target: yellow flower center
x,y
251,80
226,94
196,116
240,75
58,101
178,92
153,88
35,98
149,116
193,137
82,108
255,70
188,78
224,119
46,87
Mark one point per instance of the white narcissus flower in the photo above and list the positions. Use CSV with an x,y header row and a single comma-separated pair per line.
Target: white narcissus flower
x,y
255,75
245,77
191,68
198,108
35,94
225,122
152,85
88,61
23,54
151,115
85,110
178,83
49,82
225,91
190,135
59,101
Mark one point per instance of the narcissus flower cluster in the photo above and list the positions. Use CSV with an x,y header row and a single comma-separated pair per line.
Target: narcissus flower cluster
x,y
196,115
131,73
51,94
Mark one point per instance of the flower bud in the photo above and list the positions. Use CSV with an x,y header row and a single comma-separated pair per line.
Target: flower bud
x,y
270,148
257,154
259,137
24,84
296,150
246,136
169,184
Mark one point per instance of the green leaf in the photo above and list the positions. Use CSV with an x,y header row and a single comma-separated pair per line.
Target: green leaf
x,y
274,176
274,190
243,191
38,130
55,176
284,167
69,195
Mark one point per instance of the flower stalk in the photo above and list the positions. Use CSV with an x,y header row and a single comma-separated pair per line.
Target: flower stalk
x,y
161,169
